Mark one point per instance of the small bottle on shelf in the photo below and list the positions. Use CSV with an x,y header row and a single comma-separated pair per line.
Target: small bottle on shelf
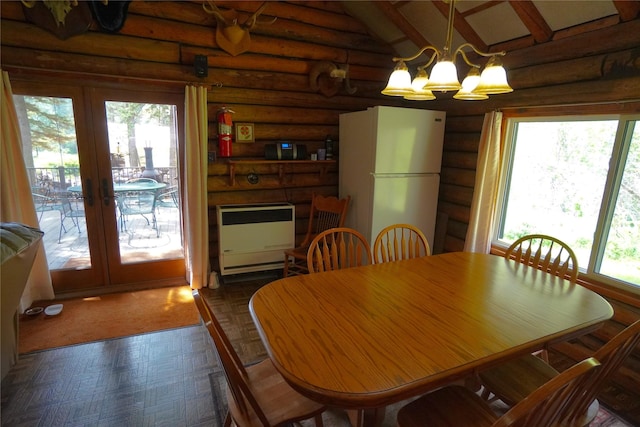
x,y
328,146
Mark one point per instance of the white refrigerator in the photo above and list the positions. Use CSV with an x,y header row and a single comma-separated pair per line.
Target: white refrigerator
x,y
389,160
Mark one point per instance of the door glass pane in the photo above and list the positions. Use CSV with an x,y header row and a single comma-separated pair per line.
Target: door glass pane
x,y
143,146
50,150
622,250
557,180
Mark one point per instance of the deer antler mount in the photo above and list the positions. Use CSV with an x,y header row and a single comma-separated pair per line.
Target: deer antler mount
x,y
328,78
231,36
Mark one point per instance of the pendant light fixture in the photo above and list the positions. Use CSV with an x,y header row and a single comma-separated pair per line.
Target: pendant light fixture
x,y
444,74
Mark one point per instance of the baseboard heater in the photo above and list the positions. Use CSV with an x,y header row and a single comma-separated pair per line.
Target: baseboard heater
x,y
253,237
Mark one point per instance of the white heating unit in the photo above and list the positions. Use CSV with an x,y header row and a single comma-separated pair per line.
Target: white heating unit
x,y
254,237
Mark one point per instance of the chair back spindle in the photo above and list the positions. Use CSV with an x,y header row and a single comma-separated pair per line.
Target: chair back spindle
x,y
338,248
611,355
547,405
546,253
326,212
398,242
550,403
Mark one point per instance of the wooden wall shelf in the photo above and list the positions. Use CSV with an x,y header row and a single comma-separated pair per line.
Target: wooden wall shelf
x,y
324,166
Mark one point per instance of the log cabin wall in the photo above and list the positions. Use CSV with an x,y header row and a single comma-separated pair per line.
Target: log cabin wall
x,y
269,86
596,70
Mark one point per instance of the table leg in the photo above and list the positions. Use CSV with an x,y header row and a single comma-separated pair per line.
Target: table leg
x,y
366,417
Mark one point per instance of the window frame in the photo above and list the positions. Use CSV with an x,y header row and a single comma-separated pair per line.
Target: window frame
x,y
620,150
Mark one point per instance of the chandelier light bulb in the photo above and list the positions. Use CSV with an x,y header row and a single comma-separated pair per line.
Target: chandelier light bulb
x,y
420,81
444,77
493,79
469,84
419,93
399,82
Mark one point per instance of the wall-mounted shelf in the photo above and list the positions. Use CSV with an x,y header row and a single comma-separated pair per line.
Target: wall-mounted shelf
x,y
324,166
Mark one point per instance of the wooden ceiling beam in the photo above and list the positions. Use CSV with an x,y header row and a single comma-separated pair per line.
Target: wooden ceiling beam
x,y
392,12
532,19
462,26
481,7
627,10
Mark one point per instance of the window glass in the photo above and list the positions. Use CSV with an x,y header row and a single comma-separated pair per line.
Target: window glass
x,y
560,180
622,250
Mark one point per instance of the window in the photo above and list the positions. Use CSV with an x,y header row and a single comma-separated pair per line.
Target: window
x,y
577,179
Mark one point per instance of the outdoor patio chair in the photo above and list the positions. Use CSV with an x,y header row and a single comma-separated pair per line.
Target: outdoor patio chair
x,y
142,203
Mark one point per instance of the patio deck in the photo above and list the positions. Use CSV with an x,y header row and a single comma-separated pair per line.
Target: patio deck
x,y
139,242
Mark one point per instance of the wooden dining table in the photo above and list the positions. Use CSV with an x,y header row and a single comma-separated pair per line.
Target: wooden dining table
x,y
366,337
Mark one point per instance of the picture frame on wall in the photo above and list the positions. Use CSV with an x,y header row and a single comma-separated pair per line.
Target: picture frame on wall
x,y
244,132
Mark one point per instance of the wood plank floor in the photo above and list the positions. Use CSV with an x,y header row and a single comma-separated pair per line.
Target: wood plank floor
x,y
154,379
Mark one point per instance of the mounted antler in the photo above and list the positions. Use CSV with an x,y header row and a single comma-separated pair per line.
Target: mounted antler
x,y
327,78
232,37
59,9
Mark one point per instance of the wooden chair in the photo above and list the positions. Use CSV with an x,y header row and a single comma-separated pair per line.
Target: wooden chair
x,y
513,381
545,253
548,254
257,395
338,248
458,406
326,212
400,241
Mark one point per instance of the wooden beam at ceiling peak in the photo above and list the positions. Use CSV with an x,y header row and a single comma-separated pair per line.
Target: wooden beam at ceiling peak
x,y
462,26
479,8
391,11
532,19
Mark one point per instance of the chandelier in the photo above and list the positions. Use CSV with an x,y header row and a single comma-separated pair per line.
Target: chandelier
x,y
444,75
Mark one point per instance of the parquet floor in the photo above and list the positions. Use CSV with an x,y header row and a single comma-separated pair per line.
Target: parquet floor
x,y
154,379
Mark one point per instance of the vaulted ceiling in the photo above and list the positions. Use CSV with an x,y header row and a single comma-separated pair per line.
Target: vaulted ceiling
x,y
490,25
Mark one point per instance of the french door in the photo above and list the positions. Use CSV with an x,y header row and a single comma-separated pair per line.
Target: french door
x,y
104,168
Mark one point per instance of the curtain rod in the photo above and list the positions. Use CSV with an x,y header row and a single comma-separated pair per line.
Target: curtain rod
x,y
584,104
626,106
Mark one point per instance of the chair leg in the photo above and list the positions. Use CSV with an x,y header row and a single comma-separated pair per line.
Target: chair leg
x,y
285,272
62,227
76,221
155,224
542,354
227,420
146,219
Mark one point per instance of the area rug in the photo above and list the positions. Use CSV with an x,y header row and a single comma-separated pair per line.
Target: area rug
x,y
109,316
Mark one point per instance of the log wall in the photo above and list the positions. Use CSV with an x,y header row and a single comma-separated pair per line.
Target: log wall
x,y
269,86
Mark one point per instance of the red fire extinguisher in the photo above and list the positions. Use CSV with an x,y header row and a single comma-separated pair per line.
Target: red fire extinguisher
x,y
225,131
